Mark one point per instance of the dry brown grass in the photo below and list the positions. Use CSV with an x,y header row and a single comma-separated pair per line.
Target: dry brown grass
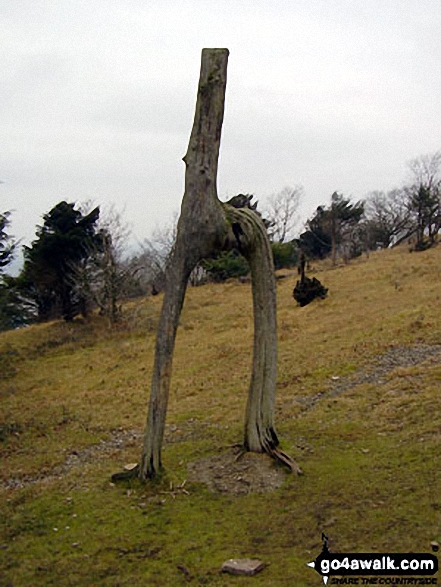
x,y
368,453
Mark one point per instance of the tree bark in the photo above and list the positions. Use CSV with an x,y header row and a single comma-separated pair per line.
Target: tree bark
x,y
260,435
201,229
253,242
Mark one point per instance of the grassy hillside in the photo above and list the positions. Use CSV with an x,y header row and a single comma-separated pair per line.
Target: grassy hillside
x,y
357,406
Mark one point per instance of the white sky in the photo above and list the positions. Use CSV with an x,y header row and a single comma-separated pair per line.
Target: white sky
x,y
97,99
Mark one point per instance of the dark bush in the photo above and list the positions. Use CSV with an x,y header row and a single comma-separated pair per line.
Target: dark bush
x,y
225,265
285,255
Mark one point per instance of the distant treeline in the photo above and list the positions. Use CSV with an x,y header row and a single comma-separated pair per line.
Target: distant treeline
x,y
80,261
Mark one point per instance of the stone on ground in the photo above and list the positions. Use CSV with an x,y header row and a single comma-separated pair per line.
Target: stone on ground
x,y
242,566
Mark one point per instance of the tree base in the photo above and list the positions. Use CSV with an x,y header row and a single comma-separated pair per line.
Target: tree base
x,y
285,460
274,453
125,475
272,450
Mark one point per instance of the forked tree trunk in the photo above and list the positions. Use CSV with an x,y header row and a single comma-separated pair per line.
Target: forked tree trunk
x,y
205,226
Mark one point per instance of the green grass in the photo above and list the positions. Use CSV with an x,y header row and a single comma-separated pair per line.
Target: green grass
x,y
369,455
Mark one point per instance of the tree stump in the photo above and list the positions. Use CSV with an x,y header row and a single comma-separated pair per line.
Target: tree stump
x,y
306,289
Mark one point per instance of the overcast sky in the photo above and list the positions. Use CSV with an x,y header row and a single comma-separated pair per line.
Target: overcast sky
x,y
97,99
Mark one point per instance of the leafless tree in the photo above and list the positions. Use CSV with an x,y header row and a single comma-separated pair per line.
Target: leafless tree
x,y
282,212
155,252
426,169
106,275
388,218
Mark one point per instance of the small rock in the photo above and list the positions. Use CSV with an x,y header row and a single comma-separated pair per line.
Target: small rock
x,y
435,545
242,566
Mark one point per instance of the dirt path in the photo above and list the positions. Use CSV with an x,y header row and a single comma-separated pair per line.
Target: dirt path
x,y
377,371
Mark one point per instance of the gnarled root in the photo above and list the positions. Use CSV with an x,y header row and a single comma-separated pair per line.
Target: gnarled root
x,y
285,460
126,475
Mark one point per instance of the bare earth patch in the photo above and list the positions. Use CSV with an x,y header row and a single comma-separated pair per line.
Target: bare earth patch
x,y
237,473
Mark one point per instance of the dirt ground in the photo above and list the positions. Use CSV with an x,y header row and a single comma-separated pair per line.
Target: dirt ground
x,y
238,473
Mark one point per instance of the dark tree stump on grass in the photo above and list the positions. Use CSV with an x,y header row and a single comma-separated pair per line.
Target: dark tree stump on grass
x,y
306,289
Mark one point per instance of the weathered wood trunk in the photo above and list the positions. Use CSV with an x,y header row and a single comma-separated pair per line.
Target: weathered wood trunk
x,y
205,226
260,435
201,229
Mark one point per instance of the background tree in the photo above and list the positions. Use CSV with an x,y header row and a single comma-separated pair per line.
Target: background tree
x,y
315,242
7,243
282,213
225,265
425,204
342,217
155,252
334,229
285,254
388,218
13,308
307,290
105,275
62,243
424,196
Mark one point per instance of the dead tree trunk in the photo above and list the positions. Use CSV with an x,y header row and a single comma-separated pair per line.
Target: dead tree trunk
x,y
253,242
201,229
206,225
260,434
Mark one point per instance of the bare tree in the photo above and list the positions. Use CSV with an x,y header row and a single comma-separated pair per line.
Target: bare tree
x,y
205,226
106,275
282,212
426,169
424,193
155,252
388,218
